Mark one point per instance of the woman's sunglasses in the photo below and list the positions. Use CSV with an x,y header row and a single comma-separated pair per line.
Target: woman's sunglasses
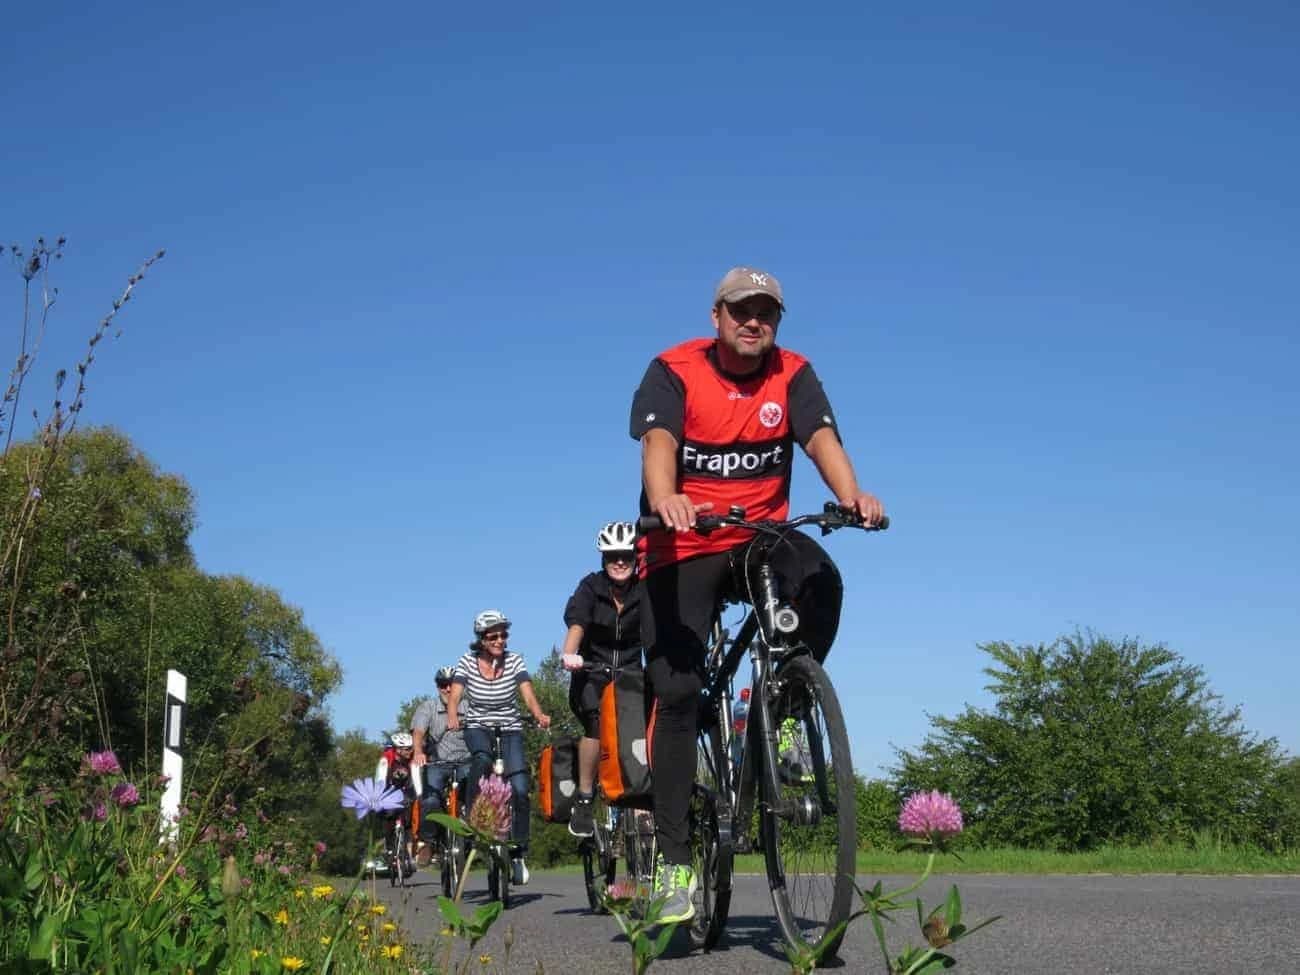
x,y
492,637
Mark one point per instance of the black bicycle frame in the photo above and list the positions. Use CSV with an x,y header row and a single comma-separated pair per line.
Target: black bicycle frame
x,y
768,653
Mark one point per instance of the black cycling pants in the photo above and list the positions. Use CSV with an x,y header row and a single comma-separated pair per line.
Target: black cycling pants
x,y
684,600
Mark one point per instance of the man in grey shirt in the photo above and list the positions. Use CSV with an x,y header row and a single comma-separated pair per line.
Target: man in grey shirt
x,y
435,742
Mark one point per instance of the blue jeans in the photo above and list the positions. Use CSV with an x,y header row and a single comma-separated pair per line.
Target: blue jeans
x,y
479,743
436,778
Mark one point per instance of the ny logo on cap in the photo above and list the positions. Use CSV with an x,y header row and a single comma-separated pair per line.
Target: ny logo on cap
x,y
758,279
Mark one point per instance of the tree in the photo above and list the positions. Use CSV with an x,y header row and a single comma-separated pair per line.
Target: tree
x,y
1093,741
110,598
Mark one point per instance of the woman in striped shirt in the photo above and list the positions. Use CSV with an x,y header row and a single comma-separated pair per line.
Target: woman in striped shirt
x,y
491,680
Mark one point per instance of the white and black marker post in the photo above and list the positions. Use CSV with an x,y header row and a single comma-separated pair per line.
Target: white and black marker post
x,y
173,753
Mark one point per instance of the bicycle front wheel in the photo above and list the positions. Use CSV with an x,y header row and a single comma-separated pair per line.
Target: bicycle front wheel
x,y
598,863
809,817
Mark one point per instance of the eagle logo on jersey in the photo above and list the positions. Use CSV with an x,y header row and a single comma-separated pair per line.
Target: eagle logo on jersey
x,y
770,414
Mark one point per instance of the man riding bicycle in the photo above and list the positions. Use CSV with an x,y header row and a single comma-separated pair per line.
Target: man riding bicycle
x,y
717,420
436,741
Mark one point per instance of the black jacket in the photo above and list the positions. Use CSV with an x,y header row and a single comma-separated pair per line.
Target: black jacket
x,y
609,637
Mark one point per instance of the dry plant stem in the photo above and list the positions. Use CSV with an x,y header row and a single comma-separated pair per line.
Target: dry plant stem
x,y
38,263
101,705
148,679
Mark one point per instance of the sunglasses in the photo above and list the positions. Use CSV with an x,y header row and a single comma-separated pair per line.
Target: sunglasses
x,y
493,637
443,684
764,311
620,557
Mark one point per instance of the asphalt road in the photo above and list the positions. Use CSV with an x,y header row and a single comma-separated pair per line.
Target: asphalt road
x,y
1059,924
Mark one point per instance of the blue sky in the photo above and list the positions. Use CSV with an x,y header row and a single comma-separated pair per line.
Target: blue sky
x,y
419,256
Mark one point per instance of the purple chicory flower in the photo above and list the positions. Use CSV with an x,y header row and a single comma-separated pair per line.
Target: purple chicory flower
x,y
931,815
102,763
490,812
125,795
366,796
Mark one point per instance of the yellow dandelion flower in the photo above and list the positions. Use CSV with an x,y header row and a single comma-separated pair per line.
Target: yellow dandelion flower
x,y
389,926
484,959
322,890
291,963
282,916
446,932
378,909
299,893
325,939
257,953
392,951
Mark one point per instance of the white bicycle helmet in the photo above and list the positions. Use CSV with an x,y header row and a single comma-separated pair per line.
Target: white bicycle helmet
x,y
403,739
443,674
489,619
617,536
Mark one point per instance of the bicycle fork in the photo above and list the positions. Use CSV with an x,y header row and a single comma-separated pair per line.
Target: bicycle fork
x,y
777,621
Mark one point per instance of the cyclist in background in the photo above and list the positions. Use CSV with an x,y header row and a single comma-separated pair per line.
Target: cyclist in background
x,y
717,419
395,771
491,680
435,741
604,620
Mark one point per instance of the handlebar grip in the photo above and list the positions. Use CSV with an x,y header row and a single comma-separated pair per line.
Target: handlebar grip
x,y
648,523
884,524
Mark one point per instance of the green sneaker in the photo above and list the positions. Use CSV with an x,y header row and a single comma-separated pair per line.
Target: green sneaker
x,y
675,886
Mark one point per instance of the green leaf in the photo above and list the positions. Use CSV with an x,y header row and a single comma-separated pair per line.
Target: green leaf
x,y
39,946
450,911
34,875
952,910
661,940
484,917
453,823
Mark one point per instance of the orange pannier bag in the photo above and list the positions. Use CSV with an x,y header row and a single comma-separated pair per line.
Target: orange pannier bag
x,y
625,729
557,780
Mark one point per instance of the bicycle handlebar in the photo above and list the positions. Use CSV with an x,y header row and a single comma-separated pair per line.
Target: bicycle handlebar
x,y
830,518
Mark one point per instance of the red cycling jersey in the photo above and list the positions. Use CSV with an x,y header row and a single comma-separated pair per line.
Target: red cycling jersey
x,y
735,437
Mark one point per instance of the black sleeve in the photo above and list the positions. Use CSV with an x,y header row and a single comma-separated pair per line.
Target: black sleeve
x,y
810,410
581,606
660,401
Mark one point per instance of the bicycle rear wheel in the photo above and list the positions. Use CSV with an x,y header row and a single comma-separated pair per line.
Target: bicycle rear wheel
x,y
641,852
711,851
598,863
809,816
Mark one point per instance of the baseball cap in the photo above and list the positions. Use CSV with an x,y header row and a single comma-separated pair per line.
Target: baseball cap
x,y
744,282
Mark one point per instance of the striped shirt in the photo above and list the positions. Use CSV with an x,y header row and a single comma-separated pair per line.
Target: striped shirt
x,y
491,702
